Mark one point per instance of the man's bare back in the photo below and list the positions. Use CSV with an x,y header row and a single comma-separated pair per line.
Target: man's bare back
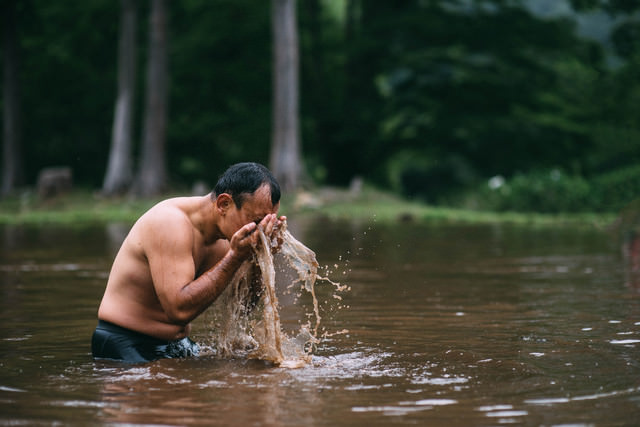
x,y
179,257
131,300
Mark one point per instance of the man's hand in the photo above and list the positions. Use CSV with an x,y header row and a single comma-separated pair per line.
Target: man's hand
x,y
272,230
243,239
271,223
276,236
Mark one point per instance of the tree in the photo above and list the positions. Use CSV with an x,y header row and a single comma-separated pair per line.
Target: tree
x,y
11,159
612,6
152,174
220,109
286,158
120,169
466,90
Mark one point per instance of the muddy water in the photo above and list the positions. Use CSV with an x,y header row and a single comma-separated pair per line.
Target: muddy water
x,y
447,325
246,317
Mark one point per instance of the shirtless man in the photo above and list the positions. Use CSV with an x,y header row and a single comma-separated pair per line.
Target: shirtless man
x,y
176,260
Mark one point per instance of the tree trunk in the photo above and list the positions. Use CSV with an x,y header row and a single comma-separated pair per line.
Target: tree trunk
x,y
286,157
11,154
120,168
152,172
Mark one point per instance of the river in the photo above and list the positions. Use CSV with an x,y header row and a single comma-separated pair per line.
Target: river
x,y
442,325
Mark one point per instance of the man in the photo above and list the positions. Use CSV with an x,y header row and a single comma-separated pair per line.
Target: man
x,y
176,260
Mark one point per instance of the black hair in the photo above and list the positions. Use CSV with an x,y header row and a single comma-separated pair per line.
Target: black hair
x,y
243,179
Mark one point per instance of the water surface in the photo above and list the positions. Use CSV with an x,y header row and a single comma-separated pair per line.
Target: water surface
x,y
447,325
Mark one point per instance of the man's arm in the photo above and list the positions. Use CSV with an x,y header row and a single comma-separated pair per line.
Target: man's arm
x,y
170,254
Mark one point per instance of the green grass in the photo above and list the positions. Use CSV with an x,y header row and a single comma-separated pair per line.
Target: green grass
x,y
83,207
74,208
385,207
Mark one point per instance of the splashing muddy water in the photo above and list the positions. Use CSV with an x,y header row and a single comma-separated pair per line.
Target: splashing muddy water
x,y
246,317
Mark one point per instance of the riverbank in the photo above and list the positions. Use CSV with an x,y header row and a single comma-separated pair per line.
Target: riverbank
x,y
366,205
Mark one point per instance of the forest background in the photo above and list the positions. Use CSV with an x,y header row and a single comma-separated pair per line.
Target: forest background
x,y
528,105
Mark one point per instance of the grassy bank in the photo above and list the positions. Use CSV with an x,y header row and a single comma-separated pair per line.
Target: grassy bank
x,y
80,207
385,207
367,205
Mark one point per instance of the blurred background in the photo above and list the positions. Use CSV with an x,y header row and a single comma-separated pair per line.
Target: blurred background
x,y
487,104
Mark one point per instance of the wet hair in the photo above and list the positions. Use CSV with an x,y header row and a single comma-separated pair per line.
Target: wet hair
x,y
243,179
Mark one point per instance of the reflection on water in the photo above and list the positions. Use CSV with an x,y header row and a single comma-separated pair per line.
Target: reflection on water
x,y
447,325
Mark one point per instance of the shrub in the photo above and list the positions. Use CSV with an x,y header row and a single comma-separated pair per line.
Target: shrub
x,y
550,191
614,190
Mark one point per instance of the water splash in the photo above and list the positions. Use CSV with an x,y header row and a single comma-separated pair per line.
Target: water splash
x,y
246,316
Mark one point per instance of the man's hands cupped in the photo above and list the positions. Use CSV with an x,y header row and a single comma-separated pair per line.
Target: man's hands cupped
x,y
245,238
271,226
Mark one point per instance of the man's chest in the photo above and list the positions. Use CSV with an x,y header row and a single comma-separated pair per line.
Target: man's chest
x,y
207,256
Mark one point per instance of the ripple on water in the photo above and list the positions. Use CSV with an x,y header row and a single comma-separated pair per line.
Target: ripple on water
x,y
41,267
14,339
625,342
138,373
491,408
214,384
359,387
443,380
12,389
405,407
595,396
352,365
505,413
81,404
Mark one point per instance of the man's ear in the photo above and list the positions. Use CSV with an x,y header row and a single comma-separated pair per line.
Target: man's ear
x,y
223,203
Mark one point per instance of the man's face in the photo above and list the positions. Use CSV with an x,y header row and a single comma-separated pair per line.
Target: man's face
x,y
255,207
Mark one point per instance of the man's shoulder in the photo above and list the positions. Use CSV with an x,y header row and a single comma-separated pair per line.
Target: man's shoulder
x,y
168,215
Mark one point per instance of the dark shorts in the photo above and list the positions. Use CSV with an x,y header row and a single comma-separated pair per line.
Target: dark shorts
x,y
111,341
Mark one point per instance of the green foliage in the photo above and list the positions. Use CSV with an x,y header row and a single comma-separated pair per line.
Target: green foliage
x,y
611,6
220,66
422,97
614,190
550,191
613,146
430,179
67,71
554,191
481,94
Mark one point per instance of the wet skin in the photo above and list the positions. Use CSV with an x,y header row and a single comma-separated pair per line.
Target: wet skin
x,y
179,257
